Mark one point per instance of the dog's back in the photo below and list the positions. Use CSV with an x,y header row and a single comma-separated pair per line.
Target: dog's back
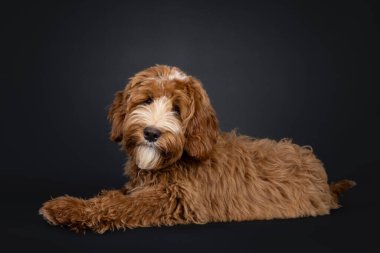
x,y
265,179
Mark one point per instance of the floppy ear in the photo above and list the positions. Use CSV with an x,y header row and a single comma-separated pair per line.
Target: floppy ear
x,y
116,115
202,129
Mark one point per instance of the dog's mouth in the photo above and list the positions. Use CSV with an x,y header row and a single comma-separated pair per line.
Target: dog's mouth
x,y
134,143
154,145
149,144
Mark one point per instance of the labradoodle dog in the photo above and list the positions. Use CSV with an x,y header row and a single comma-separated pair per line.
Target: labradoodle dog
x,y
182,169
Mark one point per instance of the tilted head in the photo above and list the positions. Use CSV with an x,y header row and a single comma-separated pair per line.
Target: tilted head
x,y
162,113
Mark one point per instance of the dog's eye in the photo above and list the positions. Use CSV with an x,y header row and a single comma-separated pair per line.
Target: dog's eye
x,y
176,109
148,101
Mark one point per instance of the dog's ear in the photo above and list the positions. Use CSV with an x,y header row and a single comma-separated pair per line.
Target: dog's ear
x,y
116,115
202,127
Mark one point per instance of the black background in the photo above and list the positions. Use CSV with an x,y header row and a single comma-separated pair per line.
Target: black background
x,y
305,70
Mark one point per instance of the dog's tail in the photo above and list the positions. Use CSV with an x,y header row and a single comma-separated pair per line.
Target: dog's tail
x,y
337,188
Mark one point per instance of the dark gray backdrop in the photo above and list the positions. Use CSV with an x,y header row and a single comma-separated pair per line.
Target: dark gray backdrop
x,y
303,70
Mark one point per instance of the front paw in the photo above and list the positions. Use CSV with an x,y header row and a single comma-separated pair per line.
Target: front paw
x,y
65,210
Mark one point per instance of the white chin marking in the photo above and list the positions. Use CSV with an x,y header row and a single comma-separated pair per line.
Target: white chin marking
x,y
147,157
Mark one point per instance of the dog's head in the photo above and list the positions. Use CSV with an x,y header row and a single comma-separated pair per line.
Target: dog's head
x,y
162,113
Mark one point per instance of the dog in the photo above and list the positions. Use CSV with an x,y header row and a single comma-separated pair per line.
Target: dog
x,y
182,169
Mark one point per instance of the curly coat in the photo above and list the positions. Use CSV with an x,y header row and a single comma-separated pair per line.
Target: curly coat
x,y
201,174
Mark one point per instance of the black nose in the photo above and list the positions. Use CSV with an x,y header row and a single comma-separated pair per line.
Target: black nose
x,y
151,134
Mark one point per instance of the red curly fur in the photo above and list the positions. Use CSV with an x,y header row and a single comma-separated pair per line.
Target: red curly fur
x,y
201,175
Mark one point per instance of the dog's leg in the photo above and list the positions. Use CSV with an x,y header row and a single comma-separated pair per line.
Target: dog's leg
x,y
115,210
